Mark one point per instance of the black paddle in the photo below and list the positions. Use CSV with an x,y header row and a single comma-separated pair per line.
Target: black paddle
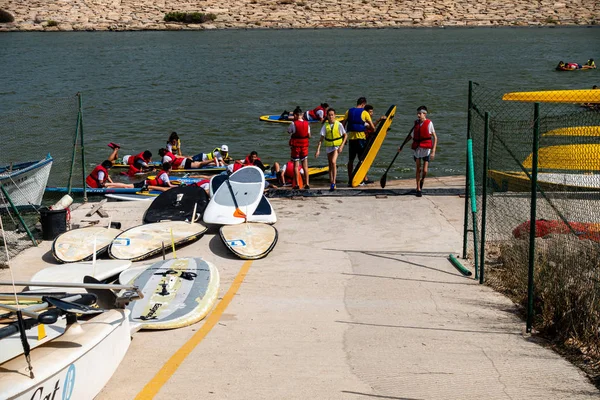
x,y
237,213
383,179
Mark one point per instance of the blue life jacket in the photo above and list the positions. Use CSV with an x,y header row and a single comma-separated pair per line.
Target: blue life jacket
x,y
355,122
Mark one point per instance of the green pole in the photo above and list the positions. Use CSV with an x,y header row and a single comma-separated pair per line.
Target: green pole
x,y
486,132
534,174
466,219
5,193
461,268
82,148
473,203
70,182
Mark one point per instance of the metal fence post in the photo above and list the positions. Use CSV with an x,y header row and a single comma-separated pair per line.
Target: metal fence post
x,y
532,217
84,186
484,194
466,219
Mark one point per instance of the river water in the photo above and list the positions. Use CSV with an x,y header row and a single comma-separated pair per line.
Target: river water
x,y
211,86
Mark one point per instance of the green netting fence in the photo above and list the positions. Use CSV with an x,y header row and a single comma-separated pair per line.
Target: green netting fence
x,y
537,226
27,134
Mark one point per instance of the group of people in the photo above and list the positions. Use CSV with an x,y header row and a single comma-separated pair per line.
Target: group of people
x,y
562,66
358,129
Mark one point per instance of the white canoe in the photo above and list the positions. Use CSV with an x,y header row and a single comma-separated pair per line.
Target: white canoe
x,y
75,365
78,244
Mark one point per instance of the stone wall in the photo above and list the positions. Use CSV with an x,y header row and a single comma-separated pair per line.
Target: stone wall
x,y
117,15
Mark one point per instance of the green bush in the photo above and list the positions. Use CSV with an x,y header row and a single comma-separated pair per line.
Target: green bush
x,y
189,18
52,22
5,16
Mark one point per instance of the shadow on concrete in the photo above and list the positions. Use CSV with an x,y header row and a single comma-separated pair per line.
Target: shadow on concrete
x,y
379,396
516,333
411,280
217,246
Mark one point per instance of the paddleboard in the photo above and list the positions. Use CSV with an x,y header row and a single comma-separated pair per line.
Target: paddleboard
x,y
98,191
276,118
555,96
78,244
74,273
177,293
575,131
249,241
581,157
13,347
129,197
209,169
130,274
263,213
313,172
177,204
146,240
241,192
361,169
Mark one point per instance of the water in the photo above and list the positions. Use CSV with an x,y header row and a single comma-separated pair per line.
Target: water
x,y
212,86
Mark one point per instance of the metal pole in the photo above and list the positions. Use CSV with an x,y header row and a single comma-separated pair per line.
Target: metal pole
x,y
82,147
5,193
473,204
486,131
466,219
70,182
532,217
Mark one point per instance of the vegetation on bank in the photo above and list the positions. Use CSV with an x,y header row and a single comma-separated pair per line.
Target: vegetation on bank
x,y
189,18
6,17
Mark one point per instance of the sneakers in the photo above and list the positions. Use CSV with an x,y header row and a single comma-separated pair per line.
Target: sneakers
x,y
295,187
368,181
306,187
114,145
419,193
332,187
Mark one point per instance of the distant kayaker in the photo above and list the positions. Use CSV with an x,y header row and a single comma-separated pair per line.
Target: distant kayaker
x,y
356,121
424,144
319,113
334,135
299,131
590,64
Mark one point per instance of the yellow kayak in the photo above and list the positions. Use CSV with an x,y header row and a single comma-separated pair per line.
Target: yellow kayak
x,y
581,157
575,131
555,96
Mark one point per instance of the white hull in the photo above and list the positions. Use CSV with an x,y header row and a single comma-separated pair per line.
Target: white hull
x,y
26,186
578,180
76,365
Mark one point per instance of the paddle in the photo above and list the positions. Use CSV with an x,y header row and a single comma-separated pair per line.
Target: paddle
x,y
237,213
383,179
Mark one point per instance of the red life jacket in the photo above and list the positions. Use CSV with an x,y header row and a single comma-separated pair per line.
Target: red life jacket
x,y
92,179
237,166
421,135
159,180
133,159
202,182
313,113
300,137
289,171
175,161
248,162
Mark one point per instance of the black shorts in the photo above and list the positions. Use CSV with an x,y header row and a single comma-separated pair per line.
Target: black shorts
x,y
426,158
357,148
187,164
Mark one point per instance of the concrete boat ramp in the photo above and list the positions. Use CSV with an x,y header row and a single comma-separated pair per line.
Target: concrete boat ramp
x,y
357,300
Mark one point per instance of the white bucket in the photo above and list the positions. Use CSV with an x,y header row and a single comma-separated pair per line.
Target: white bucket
x,y
63,203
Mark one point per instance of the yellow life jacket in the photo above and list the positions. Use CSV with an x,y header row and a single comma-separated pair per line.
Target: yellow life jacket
x,y
211,155
332,136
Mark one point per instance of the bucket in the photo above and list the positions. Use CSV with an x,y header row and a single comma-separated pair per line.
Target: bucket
x,y
63,203
54,222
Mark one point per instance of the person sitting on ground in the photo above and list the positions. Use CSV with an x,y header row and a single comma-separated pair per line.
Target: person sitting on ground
x,y
174,144
178,162
217,157
285,172
139,162
99,178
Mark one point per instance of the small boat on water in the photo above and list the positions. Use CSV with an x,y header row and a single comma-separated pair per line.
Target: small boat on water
x,y
279,119
25,182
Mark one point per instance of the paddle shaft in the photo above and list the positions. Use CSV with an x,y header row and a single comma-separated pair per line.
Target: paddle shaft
x,y
383,179
71,285
31,311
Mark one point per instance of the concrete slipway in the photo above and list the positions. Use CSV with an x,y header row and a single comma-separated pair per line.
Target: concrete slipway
x,y
357,300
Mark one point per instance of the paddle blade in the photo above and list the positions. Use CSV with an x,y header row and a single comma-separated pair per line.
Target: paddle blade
x,y
106,298
239,213
72,308
383,180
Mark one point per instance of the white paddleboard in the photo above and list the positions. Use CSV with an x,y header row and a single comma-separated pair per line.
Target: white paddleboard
x,y
12,346
129,197
78,244
177,293
74,273
130,274
242,192
249,241
146,240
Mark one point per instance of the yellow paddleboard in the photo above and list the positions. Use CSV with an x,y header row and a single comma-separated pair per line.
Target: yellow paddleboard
x,y
360,171
581,157
555,96
519,182
575,131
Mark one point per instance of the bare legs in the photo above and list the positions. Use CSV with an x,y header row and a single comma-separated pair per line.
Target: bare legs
x,y
332,160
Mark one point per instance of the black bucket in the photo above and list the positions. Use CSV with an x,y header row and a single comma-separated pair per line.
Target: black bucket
x,y
54,222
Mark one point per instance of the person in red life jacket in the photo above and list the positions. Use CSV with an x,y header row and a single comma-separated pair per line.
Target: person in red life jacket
x,y
138,163
178,162
99,177
251,159
319,113
424,144
299,131
334,135
285,172
355,121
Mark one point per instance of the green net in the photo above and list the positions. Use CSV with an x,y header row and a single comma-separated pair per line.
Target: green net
x,y
38,143
566,277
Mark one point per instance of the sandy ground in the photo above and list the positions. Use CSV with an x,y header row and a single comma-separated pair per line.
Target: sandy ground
x,y
357,300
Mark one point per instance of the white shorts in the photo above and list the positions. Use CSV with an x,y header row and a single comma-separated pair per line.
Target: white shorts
x,y
421,152
331,149
125,159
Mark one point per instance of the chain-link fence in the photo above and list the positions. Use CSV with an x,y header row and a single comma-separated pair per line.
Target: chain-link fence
x,y
553,139
38,142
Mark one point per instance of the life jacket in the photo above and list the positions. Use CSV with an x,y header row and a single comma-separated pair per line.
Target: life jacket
x,y
355,122
159,180
174,147
237,166
92,179
211,155
200,183
313,113
421,135
300,137
332,136
248,162
288,174
572,65
132,159
175,161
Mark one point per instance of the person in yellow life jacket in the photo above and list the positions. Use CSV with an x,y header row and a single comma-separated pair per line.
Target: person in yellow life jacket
x,y
333,134
218,157
590,64
424,144
174,144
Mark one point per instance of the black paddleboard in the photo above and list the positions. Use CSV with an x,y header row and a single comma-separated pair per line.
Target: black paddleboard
x,y
177,204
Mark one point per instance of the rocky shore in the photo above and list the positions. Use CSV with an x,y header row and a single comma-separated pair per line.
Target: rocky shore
x,y
132,15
